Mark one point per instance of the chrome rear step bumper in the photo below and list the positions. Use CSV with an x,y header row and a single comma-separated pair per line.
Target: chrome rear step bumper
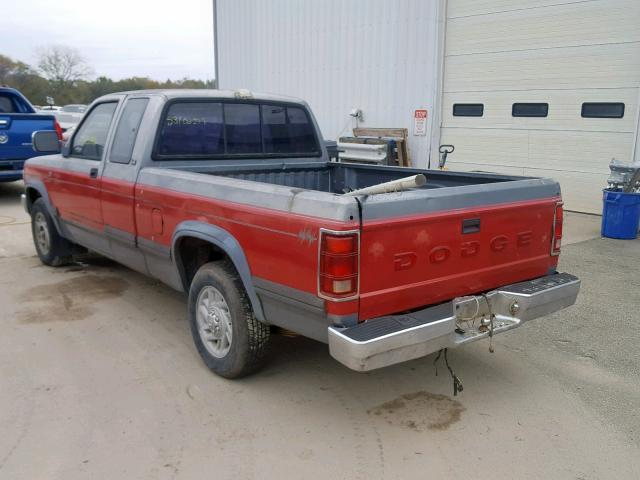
x,y
397,338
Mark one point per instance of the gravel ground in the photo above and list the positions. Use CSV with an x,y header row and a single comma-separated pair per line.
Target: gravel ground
x,y
99,379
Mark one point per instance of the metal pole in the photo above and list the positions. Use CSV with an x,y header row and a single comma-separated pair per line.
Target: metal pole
x,y
216,70
436,114
635,152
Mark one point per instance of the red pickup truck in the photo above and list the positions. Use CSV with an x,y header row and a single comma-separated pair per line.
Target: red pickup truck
x,y
231,198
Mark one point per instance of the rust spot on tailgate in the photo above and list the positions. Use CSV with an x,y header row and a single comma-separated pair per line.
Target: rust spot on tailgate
x,y
420,410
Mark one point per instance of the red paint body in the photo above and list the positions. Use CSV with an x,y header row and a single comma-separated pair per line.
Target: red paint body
x,y
74,194
420,260
405,262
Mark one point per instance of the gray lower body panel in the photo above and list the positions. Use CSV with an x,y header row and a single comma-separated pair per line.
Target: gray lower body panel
x,y
292,309
393,339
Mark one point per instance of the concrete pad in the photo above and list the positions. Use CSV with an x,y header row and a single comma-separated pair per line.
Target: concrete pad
x,y
99,379
579,227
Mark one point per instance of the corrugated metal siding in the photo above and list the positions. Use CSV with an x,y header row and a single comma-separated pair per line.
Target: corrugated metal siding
x,y
499,52
377,55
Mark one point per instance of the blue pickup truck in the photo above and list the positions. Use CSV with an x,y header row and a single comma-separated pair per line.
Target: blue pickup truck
x,y
18,121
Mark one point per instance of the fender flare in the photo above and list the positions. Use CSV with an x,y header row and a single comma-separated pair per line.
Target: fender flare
x,y
39,187
229,245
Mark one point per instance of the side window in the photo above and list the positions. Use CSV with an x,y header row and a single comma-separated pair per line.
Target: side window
x,y
468,109
530,109
127,130
287,130
192,128
90,139
242,128
602,110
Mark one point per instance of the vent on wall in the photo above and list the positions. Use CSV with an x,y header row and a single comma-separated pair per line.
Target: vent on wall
x,y
468,109
530,109
602,110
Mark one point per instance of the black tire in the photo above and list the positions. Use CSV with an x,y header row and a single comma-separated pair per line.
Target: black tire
x,y
249,337
56,250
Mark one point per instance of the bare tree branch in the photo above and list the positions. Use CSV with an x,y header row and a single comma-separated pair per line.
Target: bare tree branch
x,y
62,65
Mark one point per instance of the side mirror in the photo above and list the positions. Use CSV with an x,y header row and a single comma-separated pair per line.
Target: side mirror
x,y
45,141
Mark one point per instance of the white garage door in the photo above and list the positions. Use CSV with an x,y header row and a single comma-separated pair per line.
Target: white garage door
x,y
561,53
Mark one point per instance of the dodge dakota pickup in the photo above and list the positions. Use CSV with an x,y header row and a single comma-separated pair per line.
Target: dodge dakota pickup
x,y
230,197
18,120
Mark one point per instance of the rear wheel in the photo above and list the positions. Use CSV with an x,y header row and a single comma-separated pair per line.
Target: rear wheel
x,y
52,249
229,338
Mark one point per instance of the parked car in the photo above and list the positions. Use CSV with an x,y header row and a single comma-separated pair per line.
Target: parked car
x,y
70,115
231,198
74,108
18,121
51,108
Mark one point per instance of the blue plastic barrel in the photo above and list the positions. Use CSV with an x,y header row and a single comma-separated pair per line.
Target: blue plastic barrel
x,y
620,215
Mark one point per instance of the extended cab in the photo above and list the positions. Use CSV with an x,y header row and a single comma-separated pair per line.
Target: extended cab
x,y
18,121
231,198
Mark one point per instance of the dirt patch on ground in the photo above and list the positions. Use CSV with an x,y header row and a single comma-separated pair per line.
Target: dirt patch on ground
x,y
420,410
71,299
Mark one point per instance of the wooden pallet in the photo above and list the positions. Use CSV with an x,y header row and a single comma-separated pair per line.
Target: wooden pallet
x,y
400,135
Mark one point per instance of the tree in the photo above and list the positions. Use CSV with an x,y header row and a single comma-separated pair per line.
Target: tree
x,y
62,73
63,66
21,76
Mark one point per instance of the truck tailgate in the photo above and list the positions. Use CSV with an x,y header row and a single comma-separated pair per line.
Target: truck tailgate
x,y
420,259
16,130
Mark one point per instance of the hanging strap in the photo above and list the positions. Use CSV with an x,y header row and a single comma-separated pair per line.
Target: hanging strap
x,y
491,319
457,384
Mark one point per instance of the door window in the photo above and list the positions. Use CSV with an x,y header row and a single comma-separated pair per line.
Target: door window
x,y
90,139
127,130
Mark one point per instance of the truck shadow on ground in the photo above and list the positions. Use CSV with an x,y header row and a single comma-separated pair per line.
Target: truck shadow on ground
x,y
10,191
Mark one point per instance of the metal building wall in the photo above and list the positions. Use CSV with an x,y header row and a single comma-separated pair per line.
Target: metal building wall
x,y
377,55
560,52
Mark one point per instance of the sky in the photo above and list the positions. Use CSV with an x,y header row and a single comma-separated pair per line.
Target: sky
x,y
119,38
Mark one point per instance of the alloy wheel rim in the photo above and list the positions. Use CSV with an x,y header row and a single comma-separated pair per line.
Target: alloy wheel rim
x,y
41,233
214,322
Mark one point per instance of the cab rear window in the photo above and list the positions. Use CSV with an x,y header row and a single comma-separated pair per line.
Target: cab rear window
x,y
206,129
287,130
10,103
192,129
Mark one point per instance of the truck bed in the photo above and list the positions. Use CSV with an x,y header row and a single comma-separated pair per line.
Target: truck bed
x,y
460,234
339,178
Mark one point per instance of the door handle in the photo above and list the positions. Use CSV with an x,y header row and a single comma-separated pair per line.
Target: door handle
x,y
93,173
470,225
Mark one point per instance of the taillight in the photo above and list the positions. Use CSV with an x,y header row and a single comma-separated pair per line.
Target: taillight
x,y
58,129
556,232
338,265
